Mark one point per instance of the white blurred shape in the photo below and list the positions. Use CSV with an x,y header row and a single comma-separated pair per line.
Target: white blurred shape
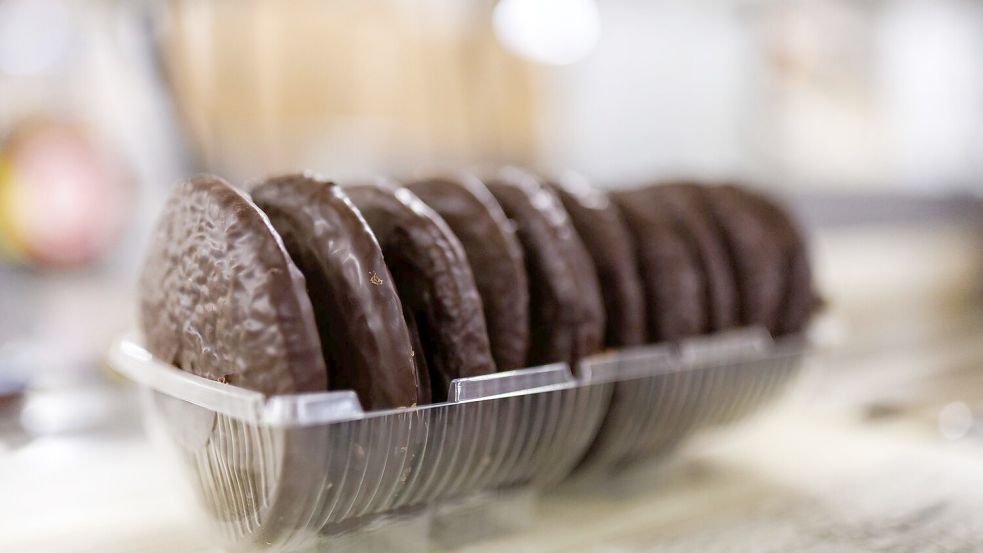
x,y
35,35
932,82
664,94
65,410
955,420
555,32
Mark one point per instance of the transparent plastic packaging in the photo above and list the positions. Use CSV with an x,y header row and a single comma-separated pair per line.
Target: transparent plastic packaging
x,y
314,472
287,471
664,394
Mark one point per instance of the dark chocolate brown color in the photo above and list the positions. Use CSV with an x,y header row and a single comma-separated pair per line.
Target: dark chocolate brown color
x,y
221,298
799,300
612,249
566,310
365,340
685,201
675,287
494,254
434,281
755,252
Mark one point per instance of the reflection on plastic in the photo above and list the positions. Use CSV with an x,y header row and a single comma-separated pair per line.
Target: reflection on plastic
x,y
662,398
299,471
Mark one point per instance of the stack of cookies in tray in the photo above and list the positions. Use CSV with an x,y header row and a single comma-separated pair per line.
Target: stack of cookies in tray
x,y
298,284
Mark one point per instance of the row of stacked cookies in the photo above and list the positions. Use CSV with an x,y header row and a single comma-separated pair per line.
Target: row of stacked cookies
x,y
390,290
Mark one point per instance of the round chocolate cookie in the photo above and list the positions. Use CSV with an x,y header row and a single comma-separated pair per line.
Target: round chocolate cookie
x,y
611,247
364,337
566,310
674,284
799,300
494,254
685,200
221,298
755,252
434,281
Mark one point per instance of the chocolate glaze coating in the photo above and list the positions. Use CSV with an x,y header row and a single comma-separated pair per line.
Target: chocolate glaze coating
x,y
693,220
221,298
755,252
434,280
495,256
425,392
612,249
566,310
799,300
365,340
674,284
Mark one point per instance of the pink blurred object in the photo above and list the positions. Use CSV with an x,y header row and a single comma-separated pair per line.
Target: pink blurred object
x,y
62,199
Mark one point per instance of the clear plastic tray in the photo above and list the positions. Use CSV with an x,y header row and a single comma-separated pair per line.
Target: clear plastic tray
x,y
315,472
664,394
285,472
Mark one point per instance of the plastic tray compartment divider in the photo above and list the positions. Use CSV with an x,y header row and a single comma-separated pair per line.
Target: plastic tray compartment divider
x,y
308,471
665,394
315,471
525,436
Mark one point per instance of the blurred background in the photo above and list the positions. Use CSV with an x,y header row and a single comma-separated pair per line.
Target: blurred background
x,y
866,116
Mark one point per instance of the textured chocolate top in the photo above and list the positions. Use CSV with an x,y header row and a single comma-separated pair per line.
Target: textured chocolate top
x,y
495,256
674,283
434,280
611,247
694,223
565,304
363,334
799,300
220,297
755,252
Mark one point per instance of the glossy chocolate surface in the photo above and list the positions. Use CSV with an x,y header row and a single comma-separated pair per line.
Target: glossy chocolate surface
x,y
364,337
495,256
565,304
612,249
799,299
221,298
755,253
434,280
674,283
694,221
